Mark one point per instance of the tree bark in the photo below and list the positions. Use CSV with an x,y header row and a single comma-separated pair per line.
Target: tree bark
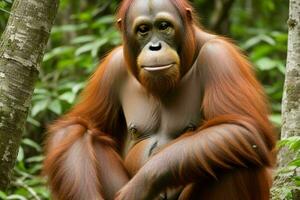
x,y
22,48
291,95
220,18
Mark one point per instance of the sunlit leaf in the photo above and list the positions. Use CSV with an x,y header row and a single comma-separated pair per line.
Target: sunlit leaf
x,y
35,159
8,1
2,195
68,28
290,142
59,51
108,19
68,97
83,39
39,106
32,144
33,121
276,119
98,44
295,163
20,156
266,64
35,168
85,48
15,197
55,106
76,88
93,47
258,39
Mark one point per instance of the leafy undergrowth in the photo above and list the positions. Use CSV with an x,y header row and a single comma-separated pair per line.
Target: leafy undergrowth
x,y
26,182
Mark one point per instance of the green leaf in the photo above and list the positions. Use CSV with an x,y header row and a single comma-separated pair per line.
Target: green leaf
x,y
98,44
68,97
280,36
42,191
76,88
265,64
258,39
20,156
83,39
289,142
69,28
295,146
261,51
295,163
276,119
93,47
85,48
66,64
35,181
108,19
35,159
32,144
281,67
55,106
33,121
36,168
39,106
40,91
15,196
103,22
2,195
8,1
58,52
297,180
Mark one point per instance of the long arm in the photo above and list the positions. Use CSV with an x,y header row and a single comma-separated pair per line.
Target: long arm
x,y
206,154
81,159
236,133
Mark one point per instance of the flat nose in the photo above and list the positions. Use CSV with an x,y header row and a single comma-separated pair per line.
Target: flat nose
x,y
155,47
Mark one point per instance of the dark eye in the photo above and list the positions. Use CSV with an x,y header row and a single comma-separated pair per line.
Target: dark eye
x,y
164,26
143,29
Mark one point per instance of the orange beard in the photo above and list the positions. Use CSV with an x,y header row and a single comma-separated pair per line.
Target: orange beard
x,y
160,83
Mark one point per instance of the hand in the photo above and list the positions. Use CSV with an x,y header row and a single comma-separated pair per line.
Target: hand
x,y
148,183
136,189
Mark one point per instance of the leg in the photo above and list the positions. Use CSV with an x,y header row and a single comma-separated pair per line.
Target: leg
x,y
82,166
246,184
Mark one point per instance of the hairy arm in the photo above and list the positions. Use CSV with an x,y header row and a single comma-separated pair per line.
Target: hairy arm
x,y
81,159
236,134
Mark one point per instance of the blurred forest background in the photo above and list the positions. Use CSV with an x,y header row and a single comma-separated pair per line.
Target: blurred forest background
x,y
85,31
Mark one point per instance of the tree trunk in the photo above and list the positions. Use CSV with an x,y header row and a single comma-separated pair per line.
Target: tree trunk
x,y
291,96
22,47
219,20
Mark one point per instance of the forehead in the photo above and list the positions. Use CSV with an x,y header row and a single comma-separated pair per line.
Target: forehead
x,y
150,9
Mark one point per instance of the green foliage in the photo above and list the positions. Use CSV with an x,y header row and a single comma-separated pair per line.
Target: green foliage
x,y
26,182
4,13
286,178
74,52
267,51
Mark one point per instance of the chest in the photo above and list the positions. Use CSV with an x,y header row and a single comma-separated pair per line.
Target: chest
x,y
161,119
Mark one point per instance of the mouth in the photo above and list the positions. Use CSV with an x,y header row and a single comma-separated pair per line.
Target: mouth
x,y
158,67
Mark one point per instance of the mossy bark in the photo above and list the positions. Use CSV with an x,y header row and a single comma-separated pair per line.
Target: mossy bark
x,y
22,48
291,96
